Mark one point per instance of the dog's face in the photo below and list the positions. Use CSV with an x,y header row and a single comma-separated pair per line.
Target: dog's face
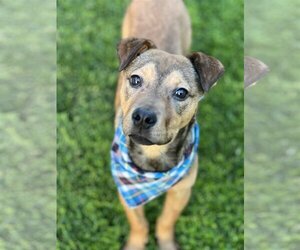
x,y
160,91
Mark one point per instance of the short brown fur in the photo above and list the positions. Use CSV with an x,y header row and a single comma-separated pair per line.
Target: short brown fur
x,y
156,36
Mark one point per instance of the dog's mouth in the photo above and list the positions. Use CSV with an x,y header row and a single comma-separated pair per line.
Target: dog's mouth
x,y
140,139
145,141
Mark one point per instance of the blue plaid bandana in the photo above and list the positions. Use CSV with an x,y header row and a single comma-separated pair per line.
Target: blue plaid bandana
x,y
138,187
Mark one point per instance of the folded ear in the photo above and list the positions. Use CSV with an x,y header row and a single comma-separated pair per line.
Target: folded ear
x,y
208,68
130,48
253,70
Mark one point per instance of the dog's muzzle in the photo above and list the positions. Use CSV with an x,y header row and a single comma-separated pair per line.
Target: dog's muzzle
x,y
142,119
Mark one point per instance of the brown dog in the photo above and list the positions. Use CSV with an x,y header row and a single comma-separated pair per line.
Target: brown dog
x,y
156,103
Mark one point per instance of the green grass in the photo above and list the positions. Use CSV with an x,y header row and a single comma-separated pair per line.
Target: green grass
x,y
89,213
272,131
27,125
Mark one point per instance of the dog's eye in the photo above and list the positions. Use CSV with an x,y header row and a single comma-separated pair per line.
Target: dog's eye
x,y
135,81
180,94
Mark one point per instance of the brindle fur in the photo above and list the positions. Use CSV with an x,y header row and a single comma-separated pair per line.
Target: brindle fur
x,y
156,36
171,156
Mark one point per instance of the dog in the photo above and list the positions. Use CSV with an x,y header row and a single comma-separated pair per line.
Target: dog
x,y
159,87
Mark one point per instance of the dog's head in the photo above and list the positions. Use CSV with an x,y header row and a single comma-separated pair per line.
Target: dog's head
x,y
160,91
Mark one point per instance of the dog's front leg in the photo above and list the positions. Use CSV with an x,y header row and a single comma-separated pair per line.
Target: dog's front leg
x,y
138,236
176,201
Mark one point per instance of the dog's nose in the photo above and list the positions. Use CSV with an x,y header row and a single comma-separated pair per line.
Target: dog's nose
x,y
144,118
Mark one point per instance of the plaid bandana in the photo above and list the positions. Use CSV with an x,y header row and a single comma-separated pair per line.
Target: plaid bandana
x,y
138,187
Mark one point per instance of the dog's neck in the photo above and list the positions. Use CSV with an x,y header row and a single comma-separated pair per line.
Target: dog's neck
x,y
161,157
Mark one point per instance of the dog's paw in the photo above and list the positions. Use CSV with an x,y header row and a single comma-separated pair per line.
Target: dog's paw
x,y
132,247
168,245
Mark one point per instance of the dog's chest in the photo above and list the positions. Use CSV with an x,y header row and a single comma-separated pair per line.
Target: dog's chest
x,y
162,163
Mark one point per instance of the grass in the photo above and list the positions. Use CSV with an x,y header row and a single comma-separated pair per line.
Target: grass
x,y
272,132
27,125
89,213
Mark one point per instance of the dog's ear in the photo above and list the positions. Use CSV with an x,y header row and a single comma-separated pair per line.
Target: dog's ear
x,y
130,48
253,70
208,68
